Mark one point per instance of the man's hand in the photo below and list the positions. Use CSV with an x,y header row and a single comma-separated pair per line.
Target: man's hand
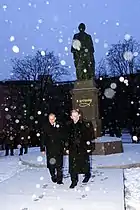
x,y
43,152
67,152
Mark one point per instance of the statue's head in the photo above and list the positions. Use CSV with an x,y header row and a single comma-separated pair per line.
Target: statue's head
x,y
82,27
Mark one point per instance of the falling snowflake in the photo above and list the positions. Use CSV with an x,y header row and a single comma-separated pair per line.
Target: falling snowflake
x,y
60,40
113,85
11,138
19,146
76,44
135,138
8,116
37,185
40,21
109,93
121,79
31,117
63,63
126,81
88,151
17,121
41,178
39,112
127,37
105,45
4,7
15,49
66,48
12,38
39,158
52,161
135,54
96,40
128,55
67,151
86,50
43,53
22,127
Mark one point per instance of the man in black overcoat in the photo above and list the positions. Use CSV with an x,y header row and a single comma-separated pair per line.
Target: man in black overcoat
x,y
24,139
53,141
9,139
79,145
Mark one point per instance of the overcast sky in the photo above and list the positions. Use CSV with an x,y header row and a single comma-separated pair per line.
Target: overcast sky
x,y
41,24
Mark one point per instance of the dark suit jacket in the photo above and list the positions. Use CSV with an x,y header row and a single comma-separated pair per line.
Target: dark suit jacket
x,y
53,139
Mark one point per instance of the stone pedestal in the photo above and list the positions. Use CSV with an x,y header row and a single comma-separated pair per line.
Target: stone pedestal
x,y
107,146
85,98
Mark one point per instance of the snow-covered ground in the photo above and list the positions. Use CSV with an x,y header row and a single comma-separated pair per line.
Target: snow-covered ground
x,y
32,190
132,188
26,188
9,166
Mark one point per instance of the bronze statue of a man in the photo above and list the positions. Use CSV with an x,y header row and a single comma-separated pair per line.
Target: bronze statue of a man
x,y
83,54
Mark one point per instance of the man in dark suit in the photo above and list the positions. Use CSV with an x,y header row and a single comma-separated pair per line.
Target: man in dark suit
x,y
79,145
9,139
83,54
23,139
53,141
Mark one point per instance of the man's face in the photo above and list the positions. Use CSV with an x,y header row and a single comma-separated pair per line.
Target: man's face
x,y
52,119
75,116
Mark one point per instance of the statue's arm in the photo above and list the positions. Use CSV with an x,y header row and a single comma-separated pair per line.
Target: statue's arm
x,y
91,44
72,49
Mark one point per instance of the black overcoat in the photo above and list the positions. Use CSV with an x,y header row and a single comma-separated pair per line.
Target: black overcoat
x,y
79,144
53,141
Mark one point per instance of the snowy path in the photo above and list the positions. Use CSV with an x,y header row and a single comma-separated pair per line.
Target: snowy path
x,y
9,166
105,191
132,188
130,157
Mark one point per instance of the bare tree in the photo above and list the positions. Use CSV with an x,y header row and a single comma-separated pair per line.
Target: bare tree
x,y
43,63
101,69
123,57
37,69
